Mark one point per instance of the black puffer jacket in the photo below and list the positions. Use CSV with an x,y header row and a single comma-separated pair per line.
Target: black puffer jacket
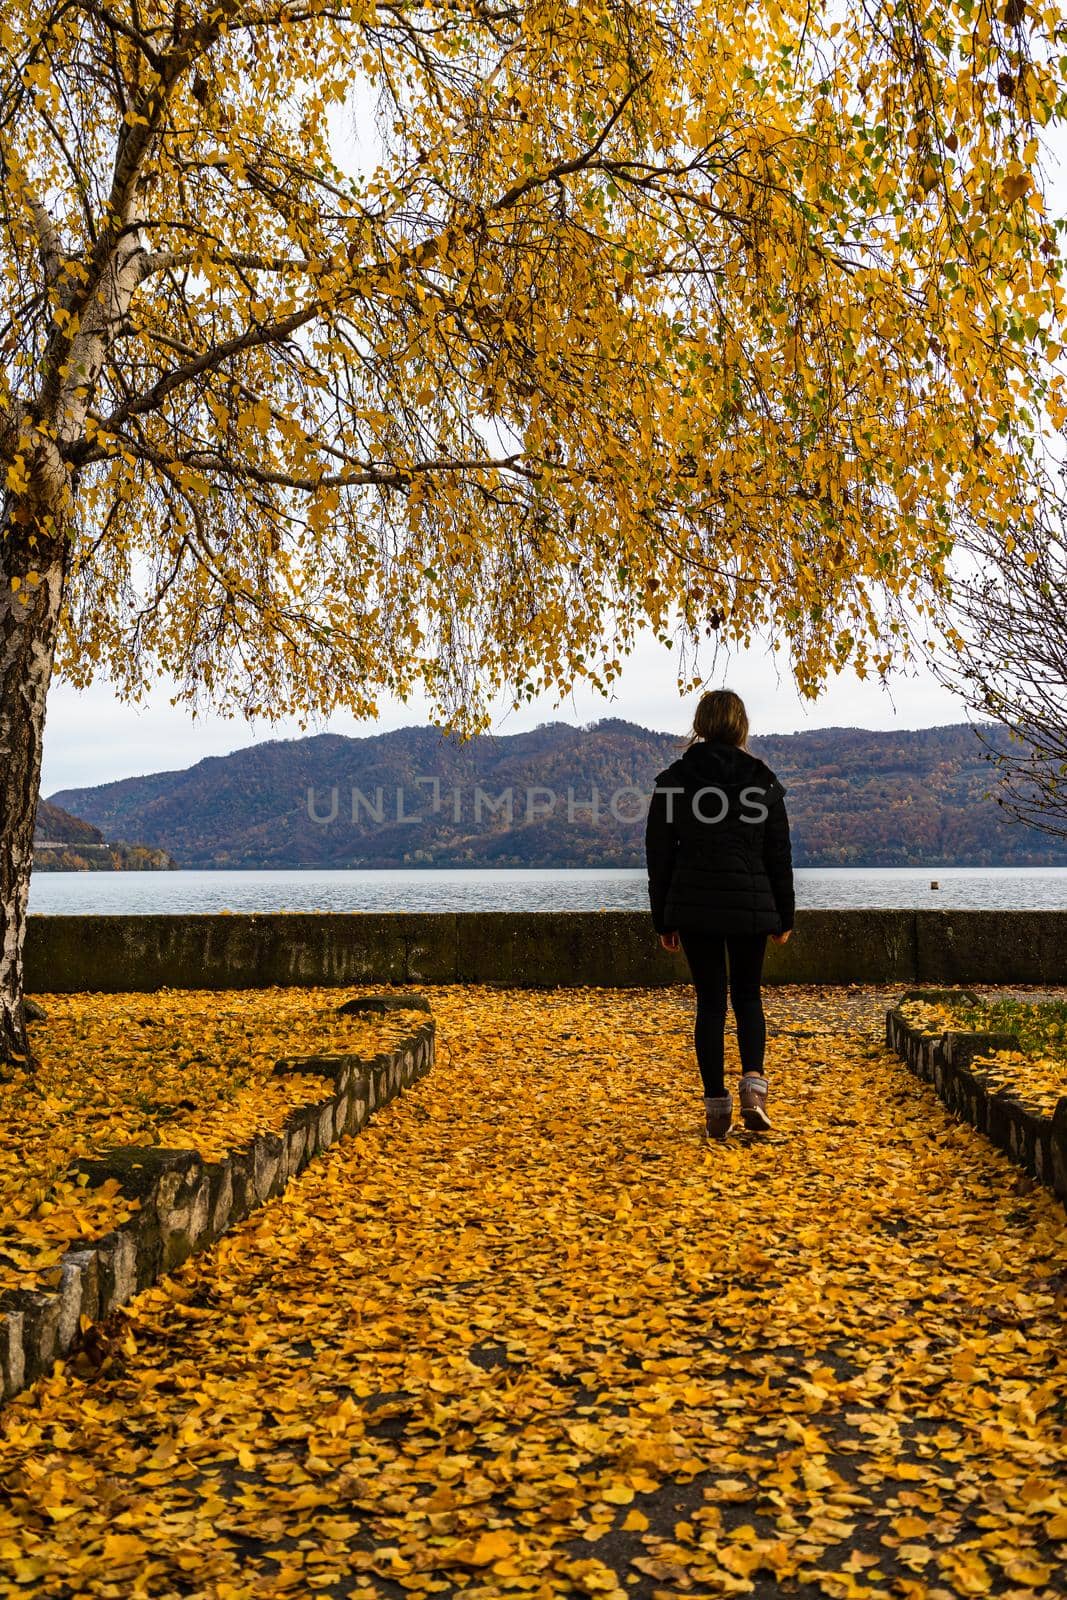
x,y
719,861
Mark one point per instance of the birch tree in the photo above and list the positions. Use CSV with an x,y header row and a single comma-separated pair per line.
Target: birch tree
x,y
709,319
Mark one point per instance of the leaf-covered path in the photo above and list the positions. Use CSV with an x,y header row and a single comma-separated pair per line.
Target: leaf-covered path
x,y
529,1334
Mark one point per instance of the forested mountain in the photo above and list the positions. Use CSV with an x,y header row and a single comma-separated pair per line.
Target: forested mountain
x,y
856,798
64,843
56,826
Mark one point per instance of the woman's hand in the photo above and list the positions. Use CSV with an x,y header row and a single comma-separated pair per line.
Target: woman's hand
x,y
780,938
669,941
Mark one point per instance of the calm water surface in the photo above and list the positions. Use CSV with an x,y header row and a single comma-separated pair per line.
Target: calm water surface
x,y
523,889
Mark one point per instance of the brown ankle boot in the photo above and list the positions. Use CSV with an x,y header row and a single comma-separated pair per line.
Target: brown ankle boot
x,y
718,1114
754,1091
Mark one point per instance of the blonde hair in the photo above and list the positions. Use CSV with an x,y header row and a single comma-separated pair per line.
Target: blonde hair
x,y
721,717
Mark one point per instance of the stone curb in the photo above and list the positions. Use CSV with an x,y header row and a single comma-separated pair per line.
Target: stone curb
x,y
187,1203
1036,1143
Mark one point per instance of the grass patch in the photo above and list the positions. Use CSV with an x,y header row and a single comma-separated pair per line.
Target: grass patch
x,y
184,1069
1040,1026
1036,1073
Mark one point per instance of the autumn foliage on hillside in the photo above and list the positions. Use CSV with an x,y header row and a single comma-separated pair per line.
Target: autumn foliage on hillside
x,y
855,798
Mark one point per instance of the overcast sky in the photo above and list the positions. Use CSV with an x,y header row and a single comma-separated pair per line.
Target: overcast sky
x,y
91,738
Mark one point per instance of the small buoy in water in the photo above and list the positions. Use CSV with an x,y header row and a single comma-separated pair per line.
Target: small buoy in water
x,y
934,884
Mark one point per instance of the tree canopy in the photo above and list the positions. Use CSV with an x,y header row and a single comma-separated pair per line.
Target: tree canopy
x,y
715,315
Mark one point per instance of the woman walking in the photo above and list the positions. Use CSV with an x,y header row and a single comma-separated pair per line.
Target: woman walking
x,y
720,882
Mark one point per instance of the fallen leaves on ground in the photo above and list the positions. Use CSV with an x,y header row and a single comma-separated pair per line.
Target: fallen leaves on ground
x,y
1036,1073
530,1334
183,1068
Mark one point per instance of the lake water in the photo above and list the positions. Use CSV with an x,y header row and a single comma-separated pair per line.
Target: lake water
x,y
523,889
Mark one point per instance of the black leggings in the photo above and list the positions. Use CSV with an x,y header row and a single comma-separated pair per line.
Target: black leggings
x,y
706,954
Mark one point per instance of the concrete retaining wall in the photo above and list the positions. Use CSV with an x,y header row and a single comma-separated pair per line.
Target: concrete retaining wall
x,y
549,949
185,1204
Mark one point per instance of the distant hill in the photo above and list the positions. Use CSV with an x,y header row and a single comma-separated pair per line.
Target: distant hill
x,y
65,843
57,826
856,798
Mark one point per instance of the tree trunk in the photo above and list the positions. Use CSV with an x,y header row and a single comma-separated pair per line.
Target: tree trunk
x,y
33,561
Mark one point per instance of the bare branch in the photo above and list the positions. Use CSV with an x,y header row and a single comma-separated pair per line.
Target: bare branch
x,y
564,169
169,260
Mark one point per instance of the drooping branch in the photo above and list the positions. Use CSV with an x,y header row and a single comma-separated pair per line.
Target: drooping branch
x,y
357,475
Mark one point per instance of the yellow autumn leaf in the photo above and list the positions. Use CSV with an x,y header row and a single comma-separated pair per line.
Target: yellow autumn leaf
x,y
491,1546
123,1548
1029,1571
588,1436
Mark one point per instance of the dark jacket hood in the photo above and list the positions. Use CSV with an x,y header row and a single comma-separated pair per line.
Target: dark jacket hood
x,y
722,766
